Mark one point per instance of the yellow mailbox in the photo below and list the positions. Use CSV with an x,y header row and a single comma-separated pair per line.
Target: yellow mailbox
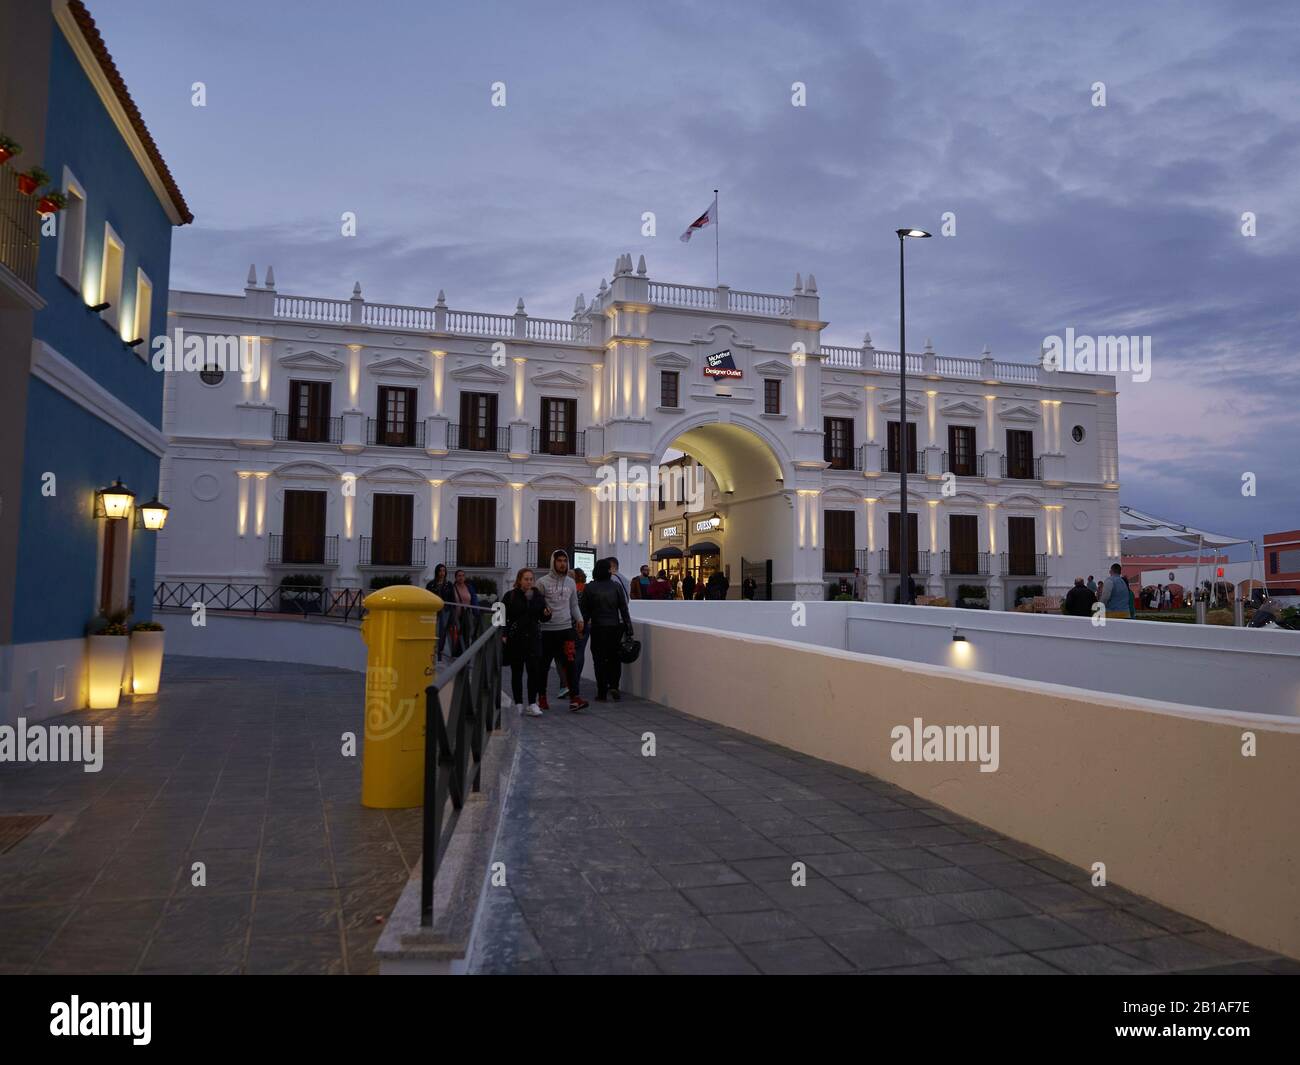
x,y
401,634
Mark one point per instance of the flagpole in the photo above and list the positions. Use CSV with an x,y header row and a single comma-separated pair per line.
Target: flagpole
x,y
717,240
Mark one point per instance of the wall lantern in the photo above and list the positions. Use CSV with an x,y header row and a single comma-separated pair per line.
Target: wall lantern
x,y
113,501
151,515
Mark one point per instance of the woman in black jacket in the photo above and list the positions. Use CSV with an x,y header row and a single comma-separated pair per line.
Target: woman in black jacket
x,y
441,587
604,607
525,611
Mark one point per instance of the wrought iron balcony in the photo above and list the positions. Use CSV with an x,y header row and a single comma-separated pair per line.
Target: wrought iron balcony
x,y
470,438
972,467
20,229
965,563
1016,565
477,555
918,560
380,434
1031,470
320,430
558,443
300,550
406,553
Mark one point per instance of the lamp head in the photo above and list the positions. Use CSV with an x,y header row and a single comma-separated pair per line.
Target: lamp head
x,y
902,233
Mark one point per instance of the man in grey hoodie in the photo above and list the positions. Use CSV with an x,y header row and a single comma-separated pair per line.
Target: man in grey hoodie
x,y
561,630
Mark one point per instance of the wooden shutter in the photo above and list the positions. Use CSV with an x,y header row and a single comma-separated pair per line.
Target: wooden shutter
x,y
304,527
476,526
894,560
839,530
555,528
391,526
1020,453
963,543
1020,544
961,450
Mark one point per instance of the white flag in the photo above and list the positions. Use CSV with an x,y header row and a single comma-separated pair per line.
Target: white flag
x,y
708,218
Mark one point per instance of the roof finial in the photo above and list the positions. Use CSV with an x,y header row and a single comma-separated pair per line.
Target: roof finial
x,y
252,275
810,289
579,305
519,307
640,266
356,291
442,298
270,277
798,284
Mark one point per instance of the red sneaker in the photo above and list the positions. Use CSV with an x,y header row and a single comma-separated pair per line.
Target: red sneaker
x,y
578,703
542,703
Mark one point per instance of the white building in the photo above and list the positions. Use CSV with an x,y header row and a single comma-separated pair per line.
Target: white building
x,y
374,439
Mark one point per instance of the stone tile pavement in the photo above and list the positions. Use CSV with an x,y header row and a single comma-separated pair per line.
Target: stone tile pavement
x,y
237,765
681,863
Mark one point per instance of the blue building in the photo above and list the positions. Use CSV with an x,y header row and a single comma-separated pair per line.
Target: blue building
x,y
92,402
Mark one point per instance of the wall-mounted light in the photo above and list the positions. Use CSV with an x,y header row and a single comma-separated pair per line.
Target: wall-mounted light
x,y
151,515
958,637
135,343
99,308
113,501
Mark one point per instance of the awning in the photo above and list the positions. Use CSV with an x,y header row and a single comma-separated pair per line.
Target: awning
x,y
1141,534
705,547
667,552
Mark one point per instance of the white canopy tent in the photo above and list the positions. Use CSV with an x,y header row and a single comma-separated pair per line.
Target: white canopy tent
x,y
1142,534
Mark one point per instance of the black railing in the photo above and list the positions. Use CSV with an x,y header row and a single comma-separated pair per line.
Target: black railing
x,y
323,552
1024,470
468,438
405,553
455,740
20,228
847,458
966,563
495,555
919,561
305,600
972,467
892,462
1024,565
558,443
322,430
378,434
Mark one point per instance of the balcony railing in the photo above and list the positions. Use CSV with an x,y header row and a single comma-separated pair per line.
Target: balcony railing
x,y
491,555
559,443
466,438
20,228
919,562
308,430
844,458
1024,565
406,553
379,435
891,459
323,551
344,604
1022,471
973,467
965,563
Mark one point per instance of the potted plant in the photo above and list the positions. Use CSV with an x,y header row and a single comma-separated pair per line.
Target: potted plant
x,y
107,643
51,203
31,180
302,593
146,657
8,149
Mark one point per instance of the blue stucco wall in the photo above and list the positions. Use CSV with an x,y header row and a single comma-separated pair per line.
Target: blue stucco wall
x,y
81,135
56,590
56,594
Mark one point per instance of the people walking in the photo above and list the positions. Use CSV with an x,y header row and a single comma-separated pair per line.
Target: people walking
x,y
561,630
605,608
526,609
613,571
859,585
688,587
1079,600
1114,594
580,649
441,587
461,625
1092,584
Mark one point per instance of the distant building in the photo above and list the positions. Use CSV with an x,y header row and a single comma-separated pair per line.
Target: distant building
x,y
1134,566
82,405
1282,562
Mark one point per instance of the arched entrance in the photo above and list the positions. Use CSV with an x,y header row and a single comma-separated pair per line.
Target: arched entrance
x,y
746,506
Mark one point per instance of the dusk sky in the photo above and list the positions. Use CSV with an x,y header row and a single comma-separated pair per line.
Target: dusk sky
x,y
1123,219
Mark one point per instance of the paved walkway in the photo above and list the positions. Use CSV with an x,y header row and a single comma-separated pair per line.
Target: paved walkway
x,y
237,765
681,863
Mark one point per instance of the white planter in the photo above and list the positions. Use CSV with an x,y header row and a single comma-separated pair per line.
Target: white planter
x,y
105,662
146,662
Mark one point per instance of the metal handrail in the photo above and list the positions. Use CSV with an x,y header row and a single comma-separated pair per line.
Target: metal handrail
x,y
473,714
308,600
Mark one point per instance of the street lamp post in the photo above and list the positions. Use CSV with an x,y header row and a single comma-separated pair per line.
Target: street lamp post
x,y
904,452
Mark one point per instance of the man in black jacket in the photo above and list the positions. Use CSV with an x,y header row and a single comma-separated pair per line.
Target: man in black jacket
x,y
1078,600
604,606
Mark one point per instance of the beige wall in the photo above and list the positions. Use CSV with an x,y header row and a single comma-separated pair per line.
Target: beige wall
x,y
1160,793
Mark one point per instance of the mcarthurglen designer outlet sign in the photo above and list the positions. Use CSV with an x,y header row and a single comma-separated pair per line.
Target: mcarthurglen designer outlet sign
x,y
721,364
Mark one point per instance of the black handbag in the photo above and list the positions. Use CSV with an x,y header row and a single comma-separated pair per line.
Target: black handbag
x,y
629,650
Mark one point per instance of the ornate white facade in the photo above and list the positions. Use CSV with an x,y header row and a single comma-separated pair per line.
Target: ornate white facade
x,y
243,452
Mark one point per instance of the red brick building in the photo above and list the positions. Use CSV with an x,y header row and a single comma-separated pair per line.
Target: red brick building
x,y
1282,562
